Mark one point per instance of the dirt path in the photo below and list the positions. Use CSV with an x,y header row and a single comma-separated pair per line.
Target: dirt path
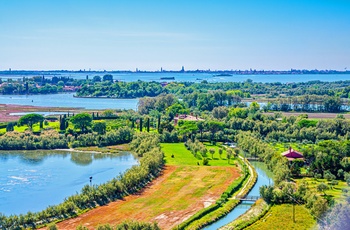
x,y
169,200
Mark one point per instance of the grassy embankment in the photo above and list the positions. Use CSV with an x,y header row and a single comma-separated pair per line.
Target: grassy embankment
x,y
281,217
184,189
257,210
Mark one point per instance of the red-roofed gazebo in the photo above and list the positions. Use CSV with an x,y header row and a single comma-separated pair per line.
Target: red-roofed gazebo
x,y
292,154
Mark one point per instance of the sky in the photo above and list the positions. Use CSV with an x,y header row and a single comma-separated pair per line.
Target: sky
x,y
154,34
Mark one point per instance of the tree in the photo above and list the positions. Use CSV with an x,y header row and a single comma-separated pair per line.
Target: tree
x,y
228,155
81,121
99,127
220,112
201,126
254,107
108,77
345,162
220,152
63,122
215,126
347,178
328,175
140,124
9,127
30,119
235,152
96,79
212,151
158,124
322,187
108,113
148,124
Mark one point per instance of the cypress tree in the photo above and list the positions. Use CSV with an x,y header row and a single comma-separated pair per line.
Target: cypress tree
x,y
147,124
140,124
63,124
159,124
10,127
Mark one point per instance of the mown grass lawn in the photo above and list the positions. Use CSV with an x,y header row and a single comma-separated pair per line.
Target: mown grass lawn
x,y
36,127
281,217
182,156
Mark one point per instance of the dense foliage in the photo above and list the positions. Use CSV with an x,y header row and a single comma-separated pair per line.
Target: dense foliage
x,y
140,88
49,139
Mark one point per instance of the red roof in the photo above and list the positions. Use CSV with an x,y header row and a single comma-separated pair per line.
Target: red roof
x,y
292,154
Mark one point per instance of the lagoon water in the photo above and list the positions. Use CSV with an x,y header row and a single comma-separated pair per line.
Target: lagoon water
x,y
196,77
67,100
33,180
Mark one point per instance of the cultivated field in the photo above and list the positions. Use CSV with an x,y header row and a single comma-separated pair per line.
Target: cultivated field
x,y
281,217
183,189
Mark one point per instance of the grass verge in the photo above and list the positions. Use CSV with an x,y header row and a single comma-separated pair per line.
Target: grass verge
x,y
256,212
281,217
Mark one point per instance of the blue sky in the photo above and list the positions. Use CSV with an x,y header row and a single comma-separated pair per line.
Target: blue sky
x,y
201,34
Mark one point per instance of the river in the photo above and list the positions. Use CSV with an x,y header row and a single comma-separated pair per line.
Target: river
x,y
264,178
33,180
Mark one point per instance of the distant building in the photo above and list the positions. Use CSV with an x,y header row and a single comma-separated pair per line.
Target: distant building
x,y
186,117
292,155
183,69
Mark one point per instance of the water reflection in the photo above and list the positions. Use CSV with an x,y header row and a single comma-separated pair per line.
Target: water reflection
x,y
81,158
32,180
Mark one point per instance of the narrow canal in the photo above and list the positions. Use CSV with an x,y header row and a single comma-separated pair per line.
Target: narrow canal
x,y
264,178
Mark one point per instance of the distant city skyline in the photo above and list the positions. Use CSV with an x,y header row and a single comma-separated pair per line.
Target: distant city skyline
x,y
150,35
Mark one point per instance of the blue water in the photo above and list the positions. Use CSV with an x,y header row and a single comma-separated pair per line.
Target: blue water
x,y
67,100
197,77
33,180
263,179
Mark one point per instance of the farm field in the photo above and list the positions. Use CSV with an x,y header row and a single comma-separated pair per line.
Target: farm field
x,y
281,217
183,189
335,191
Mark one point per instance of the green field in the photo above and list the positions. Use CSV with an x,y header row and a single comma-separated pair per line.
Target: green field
x,y
281,217
182,156
36,127
336,191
